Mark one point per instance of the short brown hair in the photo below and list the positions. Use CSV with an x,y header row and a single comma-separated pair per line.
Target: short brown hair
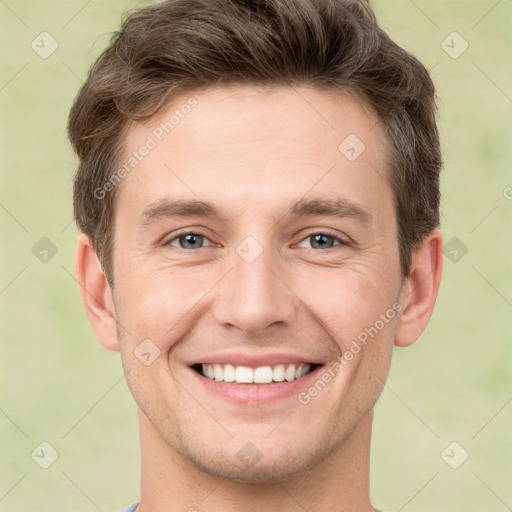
x,y
179,45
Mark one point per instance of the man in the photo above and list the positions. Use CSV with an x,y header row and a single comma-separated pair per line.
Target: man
x,y
258,196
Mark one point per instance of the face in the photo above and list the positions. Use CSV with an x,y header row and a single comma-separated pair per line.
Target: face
x,y
256,234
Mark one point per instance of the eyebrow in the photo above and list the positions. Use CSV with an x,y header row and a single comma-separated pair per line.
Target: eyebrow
x,y
341,208
168,208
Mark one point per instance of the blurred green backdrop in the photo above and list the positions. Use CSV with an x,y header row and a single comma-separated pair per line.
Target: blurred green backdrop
x,y
60,387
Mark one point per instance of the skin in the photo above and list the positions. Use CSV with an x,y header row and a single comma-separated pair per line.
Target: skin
x,y
252,152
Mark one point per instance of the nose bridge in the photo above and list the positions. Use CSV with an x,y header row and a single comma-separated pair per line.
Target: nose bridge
x,y
253,296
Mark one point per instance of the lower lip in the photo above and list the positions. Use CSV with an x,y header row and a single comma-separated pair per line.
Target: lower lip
x,y
257,393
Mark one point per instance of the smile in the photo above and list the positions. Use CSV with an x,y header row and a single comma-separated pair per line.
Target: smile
x,y
259,375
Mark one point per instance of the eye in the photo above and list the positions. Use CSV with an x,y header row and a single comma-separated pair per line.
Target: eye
x,y
324,240
319,240
188,240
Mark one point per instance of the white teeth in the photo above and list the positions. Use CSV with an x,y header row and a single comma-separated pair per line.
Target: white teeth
x,y
289,373
263,375
260,375
244,374
302,370
278,373
218,372
229,373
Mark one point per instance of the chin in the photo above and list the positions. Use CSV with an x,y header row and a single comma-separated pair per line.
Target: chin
x,y
263,461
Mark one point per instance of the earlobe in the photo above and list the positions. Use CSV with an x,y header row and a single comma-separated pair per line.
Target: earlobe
x,y
96,294
420,290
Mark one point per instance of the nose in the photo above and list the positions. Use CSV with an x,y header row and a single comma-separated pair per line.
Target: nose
x,y
255,295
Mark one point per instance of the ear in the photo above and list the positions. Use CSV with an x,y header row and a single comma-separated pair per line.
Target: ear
x,y
419,292
96,294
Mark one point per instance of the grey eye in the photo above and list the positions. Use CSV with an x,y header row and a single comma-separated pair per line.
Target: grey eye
x,y
188,241
322,241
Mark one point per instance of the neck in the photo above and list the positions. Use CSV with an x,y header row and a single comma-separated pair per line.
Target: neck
x,y
338,483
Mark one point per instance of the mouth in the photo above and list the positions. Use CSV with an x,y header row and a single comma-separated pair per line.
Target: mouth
x,y
264,375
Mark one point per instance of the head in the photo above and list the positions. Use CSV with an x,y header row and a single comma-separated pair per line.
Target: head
x,y
221,145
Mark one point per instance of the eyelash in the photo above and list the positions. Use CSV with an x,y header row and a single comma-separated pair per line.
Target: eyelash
x,y
327,232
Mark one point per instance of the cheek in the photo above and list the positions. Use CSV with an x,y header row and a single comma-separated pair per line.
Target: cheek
x,y
160,304
347,300
163,302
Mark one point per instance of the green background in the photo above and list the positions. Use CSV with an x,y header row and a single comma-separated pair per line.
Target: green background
x,y
58,385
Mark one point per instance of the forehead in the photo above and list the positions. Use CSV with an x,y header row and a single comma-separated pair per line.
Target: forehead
x,y
241,113
243,143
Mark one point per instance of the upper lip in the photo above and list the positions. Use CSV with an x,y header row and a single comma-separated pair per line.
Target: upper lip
x,y
254,360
